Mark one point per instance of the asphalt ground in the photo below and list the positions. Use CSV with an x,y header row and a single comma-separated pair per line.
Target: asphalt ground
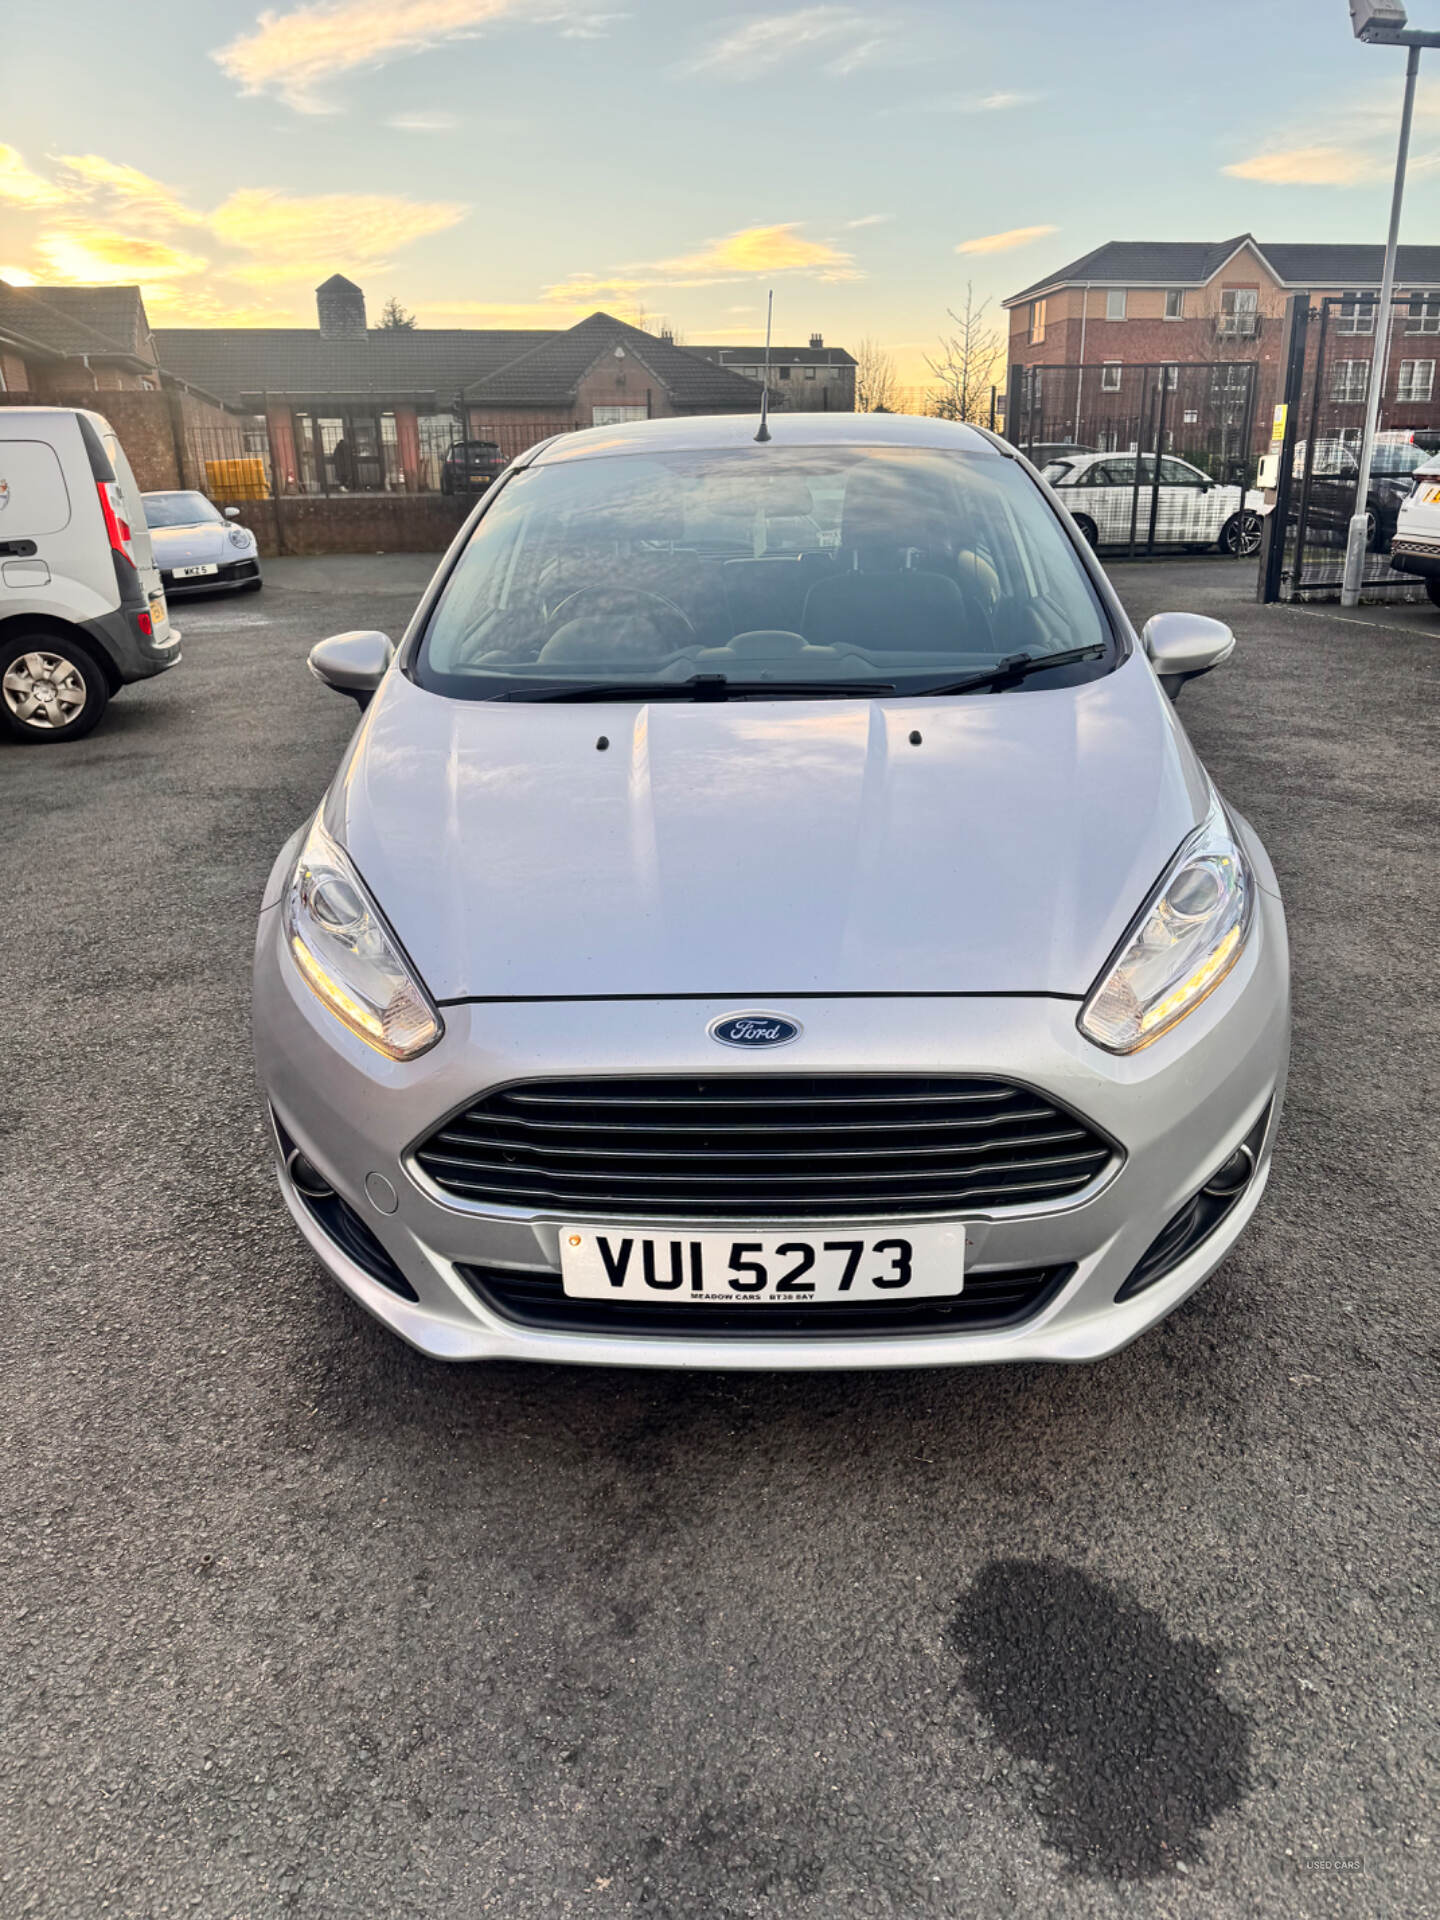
x,y
295,1621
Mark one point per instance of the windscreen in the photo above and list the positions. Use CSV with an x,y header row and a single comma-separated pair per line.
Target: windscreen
x,y
178,509
851,564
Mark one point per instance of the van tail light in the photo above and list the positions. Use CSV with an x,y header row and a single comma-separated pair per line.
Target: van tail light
x,y
117,527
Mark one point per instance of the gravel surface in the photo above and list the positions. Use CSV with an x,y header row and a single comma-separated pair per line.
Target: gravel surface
x,y
294,1620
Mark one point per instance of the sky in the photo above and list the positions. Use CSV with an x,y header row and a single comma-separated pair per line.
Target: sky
x,y
524,162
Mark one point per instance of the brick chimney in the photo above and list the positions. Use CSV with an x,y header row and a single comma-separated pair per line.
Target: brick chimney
x,y
341,307
817,341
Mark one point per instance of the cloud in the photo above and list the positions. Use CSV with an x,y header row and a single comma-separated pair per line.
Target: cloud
x,y
17,277
22,188
1310,167
997,102
428,121
84,250
293,235
870,220
1005,242
769,41
777,249
129,194
293,54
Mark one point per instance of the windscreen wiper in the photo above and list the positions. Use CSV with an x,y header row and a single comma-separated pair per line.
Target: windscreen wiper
x,y
700,686
1014,668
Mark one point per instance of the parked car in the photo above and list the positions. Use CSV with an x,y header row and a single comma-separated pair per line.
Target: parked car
x,y
1416,545
82,608
1192,510
471,466
1335,476
757,958
1043,452
200,548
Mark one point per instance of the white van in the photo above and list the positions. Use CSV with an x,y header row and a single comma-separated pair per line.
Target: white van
x,y
82,608
1416,546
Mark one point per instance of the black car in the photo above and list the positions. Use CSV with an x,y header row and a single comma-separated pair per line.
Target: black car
x,y
1334,474
471,465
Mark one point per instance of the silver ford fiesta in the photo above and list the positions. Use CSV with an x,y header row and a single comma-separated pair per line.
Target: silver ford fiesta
x,y
770,915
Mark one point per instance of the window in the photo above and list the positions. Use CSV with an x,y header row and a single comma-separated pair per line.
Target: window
x,y
1170,377
1110,377
1417,380
688,531
1350,381
1179,473
616,416
1356,314
784,372
1175,304
1037,322
1424,317
1115,304
1240,311
809,373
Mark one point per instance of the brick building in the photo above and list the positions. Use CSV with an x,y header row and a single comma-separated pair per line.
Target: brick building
x,y
813,379
1222,304
352,408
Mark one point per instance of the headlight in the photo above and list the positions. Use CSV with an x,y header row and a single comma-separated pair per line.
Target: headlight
x,y
1189,935
239,537
349,957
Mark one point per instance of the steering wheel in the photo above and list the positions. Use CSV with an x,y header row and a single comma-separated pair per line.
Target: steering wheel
x,y
608,596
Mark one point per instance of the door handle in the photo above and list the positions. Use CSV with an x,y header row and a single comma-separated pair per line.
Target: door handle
x,y
20,549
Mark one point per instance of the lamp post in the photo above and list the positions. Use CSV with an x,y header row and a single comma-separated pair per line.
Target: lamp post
x,y
1381,23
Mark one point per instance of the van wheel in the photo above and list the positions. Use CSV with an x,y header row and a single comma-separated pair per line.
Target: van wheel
x,y
50,689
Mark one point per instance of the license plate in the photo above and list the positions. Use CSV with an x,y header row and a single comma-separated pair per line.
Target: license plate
x,y
193,573
798,1268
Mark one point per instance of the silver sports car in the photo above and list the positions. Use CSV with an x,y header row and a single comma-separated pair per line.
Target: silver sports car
x,y
197,547
770,915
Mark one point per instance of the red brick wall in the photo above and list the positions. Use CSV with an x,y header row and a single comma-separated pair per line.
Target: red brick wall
x,y
355,522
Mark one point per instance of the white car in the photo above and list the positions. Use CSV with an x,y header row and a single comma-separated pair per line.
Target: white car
x,y
1416,545
198,548
1190,509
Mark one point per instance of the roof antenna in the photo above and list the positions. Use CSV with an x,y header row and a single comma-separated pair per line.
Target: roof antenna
x,y
764,433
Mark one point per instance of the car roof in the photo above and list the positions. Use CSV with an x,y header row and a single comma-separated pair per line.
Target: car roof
x,y
701,433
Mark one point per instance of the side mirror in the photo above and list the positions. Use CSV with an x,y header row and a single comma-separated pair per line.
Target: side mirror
x,y
1182,646
232,513
353,663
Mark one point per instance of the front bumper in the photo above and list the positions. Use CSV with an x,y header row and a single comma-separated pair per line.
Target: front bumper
x,y
1179,1108
232,573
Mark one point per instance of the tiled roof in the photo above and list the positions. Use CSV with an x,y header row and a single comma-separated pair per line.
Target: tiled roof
x,y
117,312
27,316
1302,264
548,375
779,356
1190,263
297,363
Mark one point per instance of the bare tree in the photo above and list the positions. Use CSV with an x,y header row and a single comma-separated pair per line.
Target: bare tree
x,y
876,388
396,319
969,364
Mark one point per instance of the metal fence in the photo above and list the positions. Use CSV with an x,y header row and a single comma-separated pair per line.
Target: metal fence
x,y
347,450
1332,346
1177,428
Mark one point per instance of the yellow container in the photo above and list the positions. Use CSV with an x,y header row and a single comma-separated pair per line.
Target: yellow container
x,y
228,482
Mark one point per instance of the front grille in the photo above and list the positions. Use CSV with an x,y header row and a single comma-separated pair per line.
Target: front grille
x,y
763,1146
989,1300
